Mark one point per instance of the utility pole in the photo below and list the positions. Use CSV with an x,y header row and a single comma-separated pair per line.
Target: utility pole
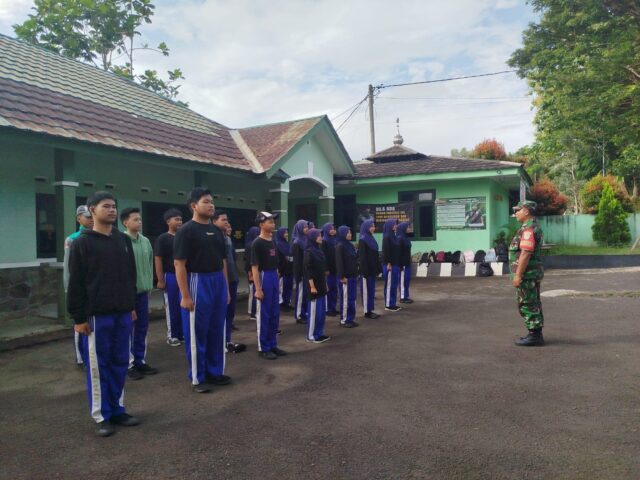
x,y
371,126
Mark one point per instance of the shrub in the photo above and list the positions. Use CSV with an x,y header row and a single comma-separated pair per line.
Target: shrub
x,y
592,191
549,199
489,149
610,227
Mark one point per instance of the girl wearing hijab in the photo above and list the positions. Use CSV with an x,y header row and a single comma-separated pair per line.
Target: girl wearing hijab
x,y
347,273
251,235
302,288
285,268
315,276
391,264
405,262
368,266
329,250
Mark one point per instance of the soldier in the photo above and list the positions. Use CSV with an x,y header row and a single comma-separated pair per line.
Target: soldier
x,y
525,258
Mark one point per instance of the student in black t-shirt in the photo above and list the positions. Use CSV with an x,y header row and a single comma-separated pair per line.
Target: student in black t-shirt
x,y
314,267
391,252
200,254
166,275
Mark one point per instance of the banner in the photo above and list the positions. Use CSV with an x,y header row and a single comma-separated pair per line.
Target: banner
x,y
461,213
380,213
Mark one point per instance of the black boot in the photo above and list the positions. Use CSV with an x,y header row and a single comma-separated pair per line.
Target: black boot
x,y
534,339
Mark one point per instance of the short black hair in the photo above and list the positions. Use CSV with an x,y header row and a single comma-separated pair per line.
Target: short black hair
x,y
218,213
97,197
197,193
172,212
126,213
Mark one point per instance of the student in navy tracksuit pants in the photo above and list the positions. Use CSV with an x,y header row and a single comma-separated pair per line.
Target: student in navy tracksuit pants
x,y
264,265
251,235
101,297
314,269
302,288
347,272
368,267
285,267
200,253
405,262
166,275
329,249
391,264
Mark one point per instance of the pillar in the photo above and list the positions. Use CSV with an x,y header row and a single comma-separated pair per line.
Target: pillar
x,y
280,204
326,209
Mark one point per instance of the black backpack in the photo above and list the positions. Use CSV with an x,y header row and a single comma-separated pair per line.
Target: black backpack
x,y
479,258
485,270
448,257
424,258
455,258
502,252
432,257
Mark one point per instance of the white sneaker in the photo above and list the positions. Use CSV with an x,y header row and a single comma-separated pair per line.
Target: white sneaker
x,y
173,342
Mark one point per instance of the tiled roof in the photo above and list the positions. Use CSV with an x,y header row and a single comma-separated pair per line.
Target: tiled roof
x,y
429,165
397,152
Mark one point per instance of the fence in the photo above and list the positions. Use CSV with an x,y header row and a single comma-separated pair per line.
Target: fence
x,y
575,230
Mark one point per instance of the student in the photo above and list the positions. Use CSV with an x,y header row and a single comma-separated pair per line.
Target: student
x,y
221,220
391,264
347,274
264,267
285,268
199,252
302,288
405,262
329,250
143,254
251,235
101,298
314,268
83,217
166,275
368,267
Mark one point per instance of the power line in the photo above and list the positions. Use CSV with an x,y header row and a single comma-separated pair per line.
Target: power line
x,y
348,109
358,105
381,86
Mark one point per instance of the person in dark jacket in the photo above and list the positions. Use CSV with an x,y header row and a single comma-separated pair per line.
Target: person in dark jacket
x,y
285,268
101,298
329,250
300,231
314,268
347,274
405,262
368,266
251,235
391,264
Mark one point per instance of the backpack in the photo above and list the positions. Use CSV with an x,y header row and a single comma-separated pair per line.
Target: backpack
x,y
479,256
502,253
491,256
448,257
457,257
485,270
424,258
432,257
440,256
469,257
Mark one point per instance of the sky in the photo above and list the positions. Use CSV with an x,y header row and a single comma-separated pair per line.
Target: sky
x,y
250,62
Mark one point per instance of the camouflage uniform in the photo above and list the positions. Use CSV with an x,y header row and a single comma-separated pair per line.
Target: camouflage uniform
x,y
529,238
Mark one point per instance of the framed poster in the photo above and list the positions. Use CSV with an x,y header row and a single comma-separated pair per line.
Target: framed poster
x,y
461,213
380,213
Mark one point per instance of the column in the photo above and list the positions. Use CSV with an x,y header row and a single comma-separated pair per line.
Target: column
x,y
280,204
326,209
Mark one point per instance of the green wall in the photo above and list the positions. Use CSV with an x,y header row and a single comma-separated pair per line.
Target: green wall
x,y
575,230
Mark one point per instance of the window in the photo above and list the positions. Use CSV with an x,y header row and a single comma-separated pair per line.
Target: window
x,y
424,213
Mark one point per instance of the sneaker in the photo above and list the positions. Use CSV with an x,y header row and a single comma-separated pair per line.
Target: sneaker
x,y
371,315
236,347
406,300
173,342
104,429
355,324
146,369
347,325
234,328
279,352
218,380
252,317
285,308
332,313
395,308
201,388
80,366
135,374
268,355
301,321
278,332
125,420
322,339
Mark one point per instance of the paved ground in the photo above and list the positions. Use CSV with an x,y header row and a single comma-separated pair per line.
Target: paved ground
x,y
435,391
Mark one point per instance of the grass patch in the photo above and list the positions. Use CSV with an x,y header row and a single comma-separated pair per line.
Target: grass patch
x,y
571,250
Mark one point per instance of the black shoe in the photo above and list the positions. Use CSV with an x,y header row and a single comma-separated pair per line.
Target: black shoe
x,y
252,317
146,369
332,313
236,347
125,420
347,325
278,332
279,352
534,339
104,429
234,328
355,324
201,388
371,315
301,321
268,355
395,308
218,380
285,308
322,339
406,300
135,374
80,366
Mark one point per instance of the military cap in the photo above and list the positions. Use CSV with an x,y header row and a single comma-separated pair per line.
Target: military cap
x,y
528,204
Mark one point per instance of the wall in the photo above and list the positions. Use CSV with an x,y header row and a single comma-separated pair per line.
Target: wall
x,y
575,230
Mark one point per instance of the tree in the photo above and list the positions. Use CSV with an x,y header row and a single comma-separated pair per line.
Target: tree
x,y
610,226
99,32
460,153
489,149
628,166
549,199
592,192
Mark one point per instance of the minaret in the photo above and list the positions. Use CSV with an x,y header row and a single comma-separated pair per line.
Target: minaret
x,y
398,140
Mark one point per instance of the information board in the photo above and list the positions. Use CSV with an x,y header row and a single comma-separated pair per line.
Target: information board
x,y
461,213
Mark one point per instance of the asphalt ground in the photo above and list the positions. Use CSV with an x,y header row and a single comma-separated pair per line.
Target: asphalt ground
x,y
436,391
